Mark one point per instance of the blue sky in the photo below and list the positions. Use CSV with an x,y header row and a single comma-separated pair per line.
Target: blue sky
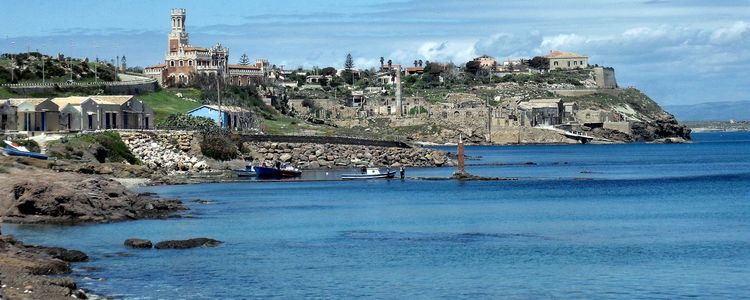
x,y
679,52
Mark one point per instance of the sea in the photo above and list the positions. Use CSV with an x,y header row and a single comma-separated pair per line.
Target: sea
x,y
659,221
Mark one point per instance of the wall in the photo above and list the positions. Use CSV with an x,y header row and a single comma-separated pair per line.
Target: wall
x,y
605,78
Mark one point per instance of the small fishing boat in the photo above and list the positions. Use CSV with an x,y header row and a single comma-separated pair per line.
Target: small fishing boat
x,y
248,171
277,173
371,173
13,149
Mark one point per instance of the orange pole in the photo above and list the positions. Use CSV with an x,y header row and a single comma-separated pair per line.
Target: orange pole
x,y
461,155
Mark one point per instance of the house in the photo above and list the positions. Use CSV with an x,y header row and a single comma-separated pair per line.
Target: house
x,y
71,113
563,60
537,112
132,112
486,61
36,114
226,116
358,97
316,79
414,70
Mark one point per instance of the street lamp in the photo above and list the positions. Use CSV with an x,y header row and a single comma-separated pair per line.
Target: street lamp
x,y
12,62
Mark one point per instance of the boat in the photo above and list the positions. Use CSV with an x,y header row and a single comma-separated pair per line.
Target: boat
x,y
248,171
371,173
277,173
13,149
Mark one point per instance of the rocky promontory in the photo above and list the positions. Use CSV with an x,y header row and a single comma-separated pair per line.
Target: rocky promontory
x,y
30,194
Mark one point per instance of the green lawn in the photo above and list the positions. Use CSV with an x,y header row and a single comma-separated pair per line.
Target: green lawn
x,y
5,94
166,102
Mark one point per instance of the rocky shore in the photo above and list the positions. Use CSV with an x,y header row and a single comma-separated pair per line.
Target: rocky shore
x,y
317,156
34,272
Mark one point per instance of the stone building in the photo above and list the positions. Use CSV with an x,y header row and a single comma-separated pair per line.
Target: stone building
x,y
486,61
184,60
564,60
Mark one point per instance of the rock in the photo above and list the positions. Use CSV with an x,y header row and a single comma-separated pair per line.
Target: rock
x,y
185,244
138,243
286,157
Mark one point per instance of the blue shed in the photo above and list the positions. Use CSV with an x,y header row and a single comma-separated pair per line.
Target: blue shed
x,y
212,112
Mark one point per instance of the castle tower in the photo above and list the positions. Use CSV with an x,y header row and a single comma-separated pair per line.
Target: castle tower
x,y
178,37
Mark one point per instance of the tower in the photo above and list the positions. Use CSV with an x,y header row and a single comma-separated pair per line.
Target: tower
x,y
178,37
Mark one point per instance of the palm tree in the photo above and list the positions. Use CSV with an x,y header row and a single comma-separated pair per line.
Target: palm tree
x,y
381,61
416,62
420,62
390,63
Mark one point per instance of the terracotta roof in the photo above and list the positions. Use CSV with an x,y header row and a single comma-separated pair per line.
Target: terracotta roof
x,y
560,54
414,69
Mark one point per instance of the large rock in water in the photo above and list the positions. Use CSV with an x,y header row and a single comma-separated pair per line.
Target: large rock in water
x,y
185,244
138,243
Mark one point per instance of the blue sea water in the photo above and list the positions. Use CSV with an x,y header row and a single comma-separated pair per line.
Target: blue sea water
x,y
582,221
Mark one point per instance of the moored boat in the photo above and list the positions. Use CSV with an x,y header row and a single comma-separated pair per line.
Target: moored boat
x,y
248,171
277,173
371,173
13,149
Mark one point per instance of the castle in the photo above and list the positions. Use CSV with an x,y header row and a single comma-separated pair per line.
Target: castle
x,y
183,60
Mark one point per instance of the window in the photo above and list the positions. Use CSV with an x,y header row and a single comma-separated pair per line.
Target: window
x,y
171,63
182,63
190,63
575,63
555,63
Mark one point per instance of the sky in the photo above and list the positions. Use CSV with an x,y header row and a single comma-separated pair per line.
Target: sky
x,y
678,52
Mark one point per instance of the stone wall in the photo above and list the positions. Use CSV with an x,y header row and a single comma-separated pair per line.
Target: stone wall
x,y
315,156
165,151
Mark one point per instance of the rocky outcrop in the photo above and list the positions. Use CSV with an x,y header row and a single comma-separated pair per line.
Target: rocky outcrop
x,y
65,198
138,243
165,152
25,271
664,126
316,156
185,244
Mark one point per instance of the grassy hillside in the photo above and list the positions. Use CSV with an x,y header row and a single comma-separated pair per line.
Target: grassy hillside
x,y
631,96
167,102
34,66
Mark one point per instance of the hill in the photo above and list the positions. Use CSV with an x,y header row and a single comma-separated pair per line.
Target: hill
x,y
711,111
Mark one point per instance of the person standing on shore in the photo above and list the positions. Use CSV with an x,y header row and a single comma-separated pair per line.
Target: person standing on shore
x,y
402,172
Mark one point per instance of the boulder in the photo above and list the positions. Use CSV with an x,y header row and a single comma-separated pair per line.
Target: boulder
x,y
185,244
138,243
286,157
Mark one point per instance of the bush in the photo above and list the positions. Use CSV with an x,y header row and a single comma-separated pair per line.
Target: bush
x,y
218,144
184,121
29,144
116,150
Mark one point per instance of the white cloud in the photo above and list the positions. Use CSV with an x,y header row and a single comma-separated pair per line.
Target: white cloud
x,y
730,34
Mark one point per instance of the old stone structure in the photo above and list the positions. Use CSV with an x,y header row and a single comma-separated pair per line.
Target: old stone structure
x,y
564,60
183,60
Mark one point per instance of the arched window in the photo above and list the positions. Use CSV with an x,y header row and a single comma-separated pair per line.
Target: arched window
x,y
182,63
171,63
190,63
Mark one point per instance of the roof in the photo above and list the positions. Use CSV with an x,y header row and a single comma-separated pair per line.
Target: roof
x,y
414,69
541,103
225,108
246,67
560,54
118,100
62,101
485,56
191,48
19,101
157,66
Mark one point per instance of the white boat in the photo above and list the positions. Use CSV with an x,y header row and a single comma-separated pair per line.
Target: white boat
x,y
248,171
371,173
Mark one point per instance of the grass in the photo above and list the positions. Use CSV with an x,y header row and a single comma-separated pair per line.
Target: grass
x,y
166,102
633,97
5,93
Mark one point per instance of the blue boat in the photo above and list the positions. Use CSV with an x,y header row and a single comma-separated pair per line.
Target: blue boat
x,y
274,173
13,152
248,171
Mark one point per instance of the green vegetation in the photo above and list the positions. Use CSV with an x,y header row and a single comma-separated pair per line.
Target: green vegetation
x,y
103,146
184,121
573,77
166,102
32,145
631,96
220,144
5,93
34,67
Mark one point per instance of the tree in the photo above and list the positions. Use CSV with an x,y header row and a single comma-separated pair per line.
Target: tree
x,y
348,66
123,63
420,62
244,60
472,67
416,63
539,62
328,71
390,63
381,61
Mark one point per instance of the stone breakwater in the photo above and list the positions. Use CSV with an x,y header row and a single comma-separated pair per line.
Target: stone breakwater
x,y
317,156
168,152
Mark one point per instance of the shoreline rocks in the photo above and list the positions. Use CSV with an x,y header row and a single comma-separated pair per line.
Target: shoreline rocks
x,y
168,152
138,243
186,244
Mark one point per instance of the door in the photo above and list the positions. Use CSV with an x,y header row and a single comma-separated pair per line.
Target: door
x,y
106,120
146,123
91,122
4,122
44,121
125,120
70,121
114,120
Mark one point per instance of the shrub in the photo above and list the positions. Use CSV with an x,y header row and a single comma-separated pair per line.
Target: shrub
x,y
32,145
218,144
115,148
184,121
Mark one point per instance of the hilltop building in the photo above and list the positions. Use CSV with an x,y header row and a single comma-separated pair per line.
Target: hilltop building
x,y
183,60
486,62
564,60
